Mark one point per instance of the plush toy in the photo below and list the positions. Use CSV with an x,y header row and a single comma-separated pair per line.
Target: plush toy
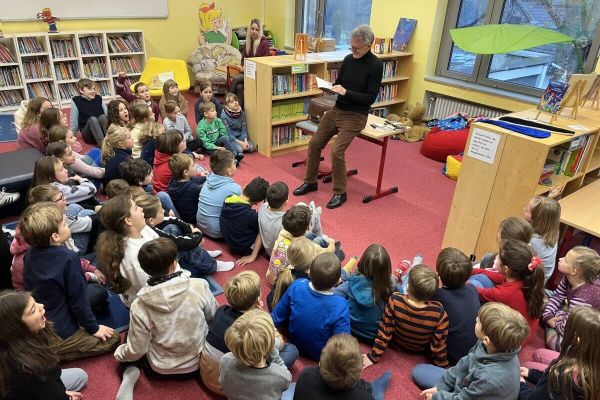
x,y
47,17
414,123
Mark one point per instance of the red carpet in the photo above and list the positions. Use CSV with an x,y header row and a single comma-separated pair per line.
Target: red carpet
x,y
405,223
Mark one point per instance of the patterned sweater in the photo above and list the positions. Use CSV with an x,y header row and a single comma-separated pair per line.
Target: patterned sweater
x,y
412,328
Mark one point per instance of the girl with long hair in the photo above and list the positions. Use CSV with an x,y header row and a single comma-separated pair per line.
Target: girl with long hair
x,y
117,113
28,365
574,374
118,246
30,135
543,213
171,92
142,114
116,148
75,189
86,165
519,281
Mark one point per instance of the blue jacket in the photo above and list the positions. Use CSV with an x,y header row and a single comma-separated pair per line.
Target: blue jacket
x,y
111,170
148,151
236,127
185,197
55,277
365,314
239,225
461,305
311,317
210,201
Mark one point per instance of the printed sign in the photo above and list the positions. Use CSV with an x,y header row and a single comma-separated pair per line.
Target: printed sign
x,y
483,145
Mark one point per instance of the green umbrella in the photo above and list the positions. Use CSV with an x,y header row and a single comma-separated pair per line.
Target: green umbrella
x,y
504,38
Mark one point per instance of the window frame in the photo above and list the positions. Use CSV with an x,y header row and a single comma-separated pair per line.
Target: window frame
x,y
481,67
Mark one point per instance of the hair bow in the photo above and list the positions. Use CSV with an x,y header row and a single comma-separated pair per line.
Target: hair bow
x,y
207,8
535,261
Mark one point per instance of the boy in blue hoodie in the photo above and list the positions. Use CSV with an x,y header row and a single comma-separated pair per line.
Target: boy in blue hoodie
x,y
185,186
239,222
219,184
491,369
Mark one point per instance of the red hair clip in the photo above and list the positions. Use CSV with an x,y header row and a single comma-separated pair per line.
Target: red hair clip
x,y
535,261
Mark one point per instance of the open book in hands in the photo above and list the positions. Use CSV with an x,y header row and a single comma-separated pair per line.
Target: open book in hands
x,y
325,85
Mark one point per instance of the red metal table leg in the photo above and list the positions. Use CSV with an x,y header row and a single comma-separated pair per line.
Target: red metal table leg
x,y
378,193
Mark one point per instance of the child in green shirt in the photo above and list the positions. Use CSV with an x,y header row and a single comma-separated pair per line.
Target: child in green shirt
x,y
213,133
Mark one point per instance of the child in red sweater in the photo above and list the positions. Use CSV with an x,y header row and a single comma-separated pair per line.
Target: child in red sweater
x,y
169,143
519,281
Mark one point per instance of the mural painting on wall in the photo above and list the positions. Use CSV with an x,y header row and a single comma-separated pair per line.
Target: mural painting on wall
x,y
213,26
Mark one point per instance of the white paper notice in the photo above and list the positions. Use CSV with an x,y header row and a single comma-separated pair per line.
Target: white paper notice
x,y
483,145
250,69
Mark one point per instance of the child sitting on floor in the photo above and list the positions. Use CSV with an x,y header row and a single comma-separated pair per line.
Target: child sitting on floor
x,y
169,143
187,237
270,214
53,273
412,321
147,137
213,134
234,119
254,365
176,120
171,92
510,228
206,95
142,116
579,287
115,150
88,113
309,309
75,189
185,187
490,370
460,301
239,222
219,184
86,165
543,213
172,299
140,91
29,134
117,113
117,187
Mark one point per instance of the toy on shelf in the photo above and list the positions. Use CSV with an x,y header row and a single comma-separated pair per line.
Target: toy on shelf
x,y
47,17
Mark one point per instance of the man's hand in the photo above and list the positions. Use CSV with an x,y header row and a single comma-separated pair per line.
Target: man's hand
x,y
104,333
339,89
429,393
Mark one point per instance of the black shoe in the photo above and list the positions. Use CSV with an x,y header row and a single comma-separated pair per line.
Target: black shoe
x,y
306,188
239,156
337,200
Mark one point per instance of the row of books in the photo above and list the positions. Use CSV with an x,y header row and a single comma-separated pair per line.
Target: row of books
x,y
36,68
565,159
5,55
285,134
288,109
91,45
40,89
127,64
332,74
387,92
95,69
389,68
382,45
28,45
293,83
124,44
62,48
380,111
10,77
10,98
67,91
103,88
67,71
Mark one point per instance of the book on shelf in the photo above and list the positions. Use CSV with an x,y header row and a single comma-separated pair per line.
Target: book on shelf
x,y
285,134
387,93
10,77
67,91
91,45
28,45
565,159
5,55
552,98
404,31
289,109
127,64
124,44
69,70
95,69
40,89
389,68
10,98
379,111
293,83
382,45
332,74
36,68
62,48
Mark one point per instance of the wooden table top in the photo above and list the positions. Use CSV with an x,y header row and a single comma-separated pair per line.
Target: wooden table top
x,y
378,133
581,209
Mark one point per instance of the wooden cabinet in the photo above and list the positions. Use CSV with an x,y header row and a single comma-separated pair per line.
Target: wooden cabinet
x,y
277,92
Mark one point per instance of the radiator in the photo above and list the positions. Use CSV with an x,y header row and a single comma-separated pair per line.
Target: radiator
x,y
441,107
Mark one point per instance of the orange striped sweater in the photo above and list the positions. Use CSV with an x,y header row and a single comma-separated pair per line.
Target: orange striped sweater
x,y
412,328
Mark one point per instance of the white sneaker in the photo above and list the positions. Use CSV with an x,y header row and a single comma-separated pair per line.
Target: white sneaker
x,y
214,253
7,198
224,266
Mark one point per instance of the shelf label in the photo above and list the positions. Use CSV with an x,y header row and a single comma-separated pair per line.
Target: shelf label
x,y
250,69
299,68
483,145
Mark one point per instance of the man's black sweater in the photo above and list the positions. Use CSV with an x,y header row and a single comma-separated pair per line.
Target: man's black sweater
x,y
361,77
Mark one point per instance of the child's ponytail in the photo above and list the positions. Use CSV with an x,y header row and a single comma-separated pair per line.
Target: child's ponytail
x,y
110,247
518,257
114,136
282,284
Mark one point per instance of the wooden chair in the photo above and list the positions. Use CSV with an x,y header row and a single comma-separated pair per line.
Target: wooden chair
x,y
233,70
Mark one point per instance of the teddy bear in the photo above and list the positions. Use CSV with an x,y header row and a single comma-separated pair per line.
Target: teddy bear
x,y
413,121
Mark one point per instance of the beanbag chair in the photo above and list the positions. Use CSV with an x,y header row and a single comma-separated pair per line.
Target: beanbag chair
x,y
452,167
438,144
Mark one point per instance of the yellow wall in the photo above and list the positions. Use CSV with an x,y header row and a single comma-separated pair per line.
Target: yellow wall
x,y
173,37
279,18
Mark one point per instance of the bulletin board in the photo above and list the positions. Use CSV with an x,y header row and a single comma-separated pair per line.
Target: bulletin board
x,y
25,10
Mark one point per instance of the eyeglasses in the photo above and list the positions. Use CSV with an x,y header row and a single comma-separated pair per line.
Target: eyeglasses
x,y
355,49
61,198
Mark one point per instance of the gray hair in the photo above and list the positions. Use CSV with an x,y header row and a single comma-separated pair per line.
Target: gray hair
x,y
363,33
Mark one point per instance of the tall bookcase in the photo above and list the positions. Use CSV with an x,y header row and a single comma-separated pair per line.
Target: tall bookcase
x,y
50,64
277,97
489,191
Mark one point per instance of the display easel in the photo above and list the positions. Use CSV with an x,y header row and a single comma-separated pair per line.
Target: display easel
x,y
593,94
301,46
571,99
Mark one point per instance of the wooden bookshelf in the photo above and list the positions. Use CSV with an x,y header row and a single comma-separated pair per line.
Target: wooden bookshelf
x,y
486,193
69,56
12,89
260,100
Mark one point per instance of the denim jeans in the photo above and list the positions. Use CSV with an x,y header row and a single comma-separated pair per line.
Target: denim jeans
x,y
197,260
481,281
223,141
427,376
81,239
166,202
238,148
289,354
319,240
74,379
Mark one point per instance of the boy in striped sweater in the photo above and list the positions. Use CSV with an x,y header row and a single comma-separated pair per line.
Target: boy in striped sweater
x,y
413,322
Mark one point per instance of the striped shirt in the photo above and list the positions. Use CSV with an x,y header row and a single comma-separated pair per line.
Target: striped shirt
x,y
412,328
566,298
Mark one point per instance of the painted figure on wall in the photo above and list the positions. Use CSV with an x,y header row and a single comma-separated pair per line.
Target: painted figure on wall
x,y
213,27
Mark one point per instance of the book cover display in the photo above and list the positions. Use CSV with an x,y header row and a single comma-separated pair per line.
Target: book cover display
x,y
404,32
553,96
